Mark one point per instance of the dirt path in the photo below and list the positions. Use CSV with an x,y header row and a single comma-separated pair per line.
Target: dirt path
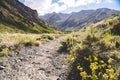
x,y
37,63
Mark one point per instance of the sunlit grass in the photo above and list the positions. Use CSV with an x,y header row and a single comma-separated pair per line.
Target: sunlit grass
x,y
18,38
12,41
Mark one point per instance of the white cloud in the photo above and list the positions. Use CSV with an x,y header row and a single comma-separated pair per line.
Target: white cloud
x,y
84,2
76,3
68,3
110,1
46,6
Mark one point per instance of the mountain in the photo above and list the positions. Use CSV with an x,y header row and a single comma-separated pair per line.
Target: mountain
x,y
16,17
55,18
77,20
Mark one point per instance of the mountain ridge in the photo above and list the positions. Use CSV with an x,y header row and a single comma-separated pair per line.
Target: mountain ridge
x,y
83,18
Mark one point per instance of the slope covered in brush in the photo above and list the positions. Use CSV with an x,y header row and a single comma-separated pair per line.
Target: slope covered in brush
x,y
95,51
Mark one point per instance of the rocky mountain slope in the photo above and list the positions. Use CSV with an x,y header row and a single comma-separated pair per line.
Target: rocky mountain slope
x,y
16,17
82,18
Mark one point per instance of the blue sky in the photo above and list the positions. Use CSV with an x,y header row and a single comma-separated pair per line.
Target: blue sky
x,y
67,6
22,1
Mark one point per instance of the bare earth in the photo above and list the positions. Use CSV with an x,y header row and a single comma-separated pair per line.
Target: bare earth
x,y
37,63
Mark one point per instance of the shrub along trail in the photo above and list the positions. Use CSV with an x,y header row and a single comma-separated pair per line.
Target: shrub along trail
x,y
36,63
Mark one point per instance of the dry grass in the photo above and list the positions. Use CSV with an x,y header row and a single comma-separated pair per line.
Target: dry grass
x,y
10,42
18,38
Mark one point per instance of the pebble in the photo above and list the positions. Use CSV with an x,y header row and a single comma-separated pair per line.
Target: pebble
x,y
2,67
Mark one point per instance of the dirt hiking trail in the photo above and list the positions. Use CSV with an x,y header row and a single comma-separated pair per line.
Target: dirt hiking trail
x,y
37,63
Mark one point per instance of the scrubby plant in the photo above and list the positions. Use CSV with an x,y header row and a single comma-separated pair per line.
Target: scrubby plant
x,y
66,45
48,37
4,52
29,41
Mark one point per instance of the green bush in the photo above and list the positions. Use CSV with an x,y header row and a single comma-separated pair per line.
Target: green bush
x,y
48,37
116,29
66,45
4,52
29,42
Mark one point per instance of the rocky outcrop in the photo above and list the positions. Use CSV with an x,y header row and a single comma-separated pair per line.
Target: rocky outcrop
x,y
24,10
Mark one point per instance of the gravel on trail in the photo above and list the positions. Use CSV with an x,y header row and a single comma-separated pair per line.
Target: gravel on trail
x,y
36,63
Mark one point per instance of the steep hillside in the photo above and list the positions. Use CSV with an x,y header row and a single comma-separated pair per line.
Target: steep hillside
x,y
53,18
16,17
77,20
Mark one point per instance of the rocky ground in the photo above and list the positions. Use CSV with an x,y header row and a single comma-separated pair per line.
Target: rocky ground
x,y
37,63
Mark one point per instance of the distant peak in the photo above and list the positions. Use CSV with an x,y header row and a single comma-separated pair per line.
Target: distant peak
x,y
54,13
103,9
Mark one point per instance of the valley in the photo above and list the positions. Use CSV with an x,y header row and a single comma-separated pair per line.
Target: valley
x,y
83,45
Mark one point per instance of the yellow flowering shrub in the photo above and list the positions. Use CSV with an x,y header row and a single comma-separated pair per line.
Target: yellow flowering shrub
x,y
100,69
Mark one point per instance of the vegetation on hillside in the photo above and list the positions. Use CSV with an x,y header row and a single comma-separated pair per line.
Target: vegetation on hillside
x,y
95,51
8,28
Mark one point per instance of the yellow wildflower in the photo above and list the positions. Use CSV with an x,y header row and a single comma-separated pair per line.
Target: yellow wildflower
x,y
105,76
110,60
